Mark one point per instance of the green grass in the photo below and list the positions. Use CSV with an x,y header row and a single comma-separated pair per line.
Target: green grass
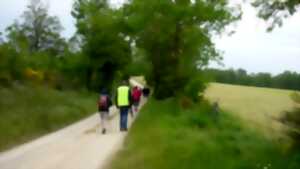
x,y
257,107
28,112
166,137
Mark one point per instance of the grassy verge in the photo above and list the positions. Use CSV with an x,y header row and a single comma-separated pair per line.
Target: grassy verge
x,y
28,112
167,137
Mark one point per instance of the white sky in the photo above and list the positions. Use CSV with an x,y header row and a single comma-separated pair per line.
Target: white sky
x,y
250,48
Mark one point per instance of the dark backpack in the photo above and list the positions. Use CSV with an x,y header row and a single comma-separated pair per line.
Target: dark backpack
x,y
103,102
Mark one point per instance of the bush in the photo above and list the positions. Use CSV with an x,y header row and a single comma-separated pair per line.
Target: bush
x,y
11,64
295,97
199,115
194,87
292,120
33,75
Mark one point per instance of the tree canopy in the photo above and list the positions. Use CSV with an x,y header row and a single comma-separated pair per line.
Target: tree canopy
x,y
276,10
40,31
104,42
167,41
176,37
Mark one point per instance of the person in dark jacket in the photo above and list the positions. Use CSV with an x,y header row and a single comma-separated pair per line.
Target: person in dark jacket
x,y
146,91
104,104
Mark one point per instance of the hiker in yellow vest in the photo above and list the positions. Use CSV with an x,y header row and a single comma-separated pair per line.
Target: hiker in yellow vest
x,y
123,102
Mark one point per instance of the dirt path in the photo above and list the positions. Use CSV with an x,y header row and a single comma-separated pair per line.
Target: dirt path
x,y
79,146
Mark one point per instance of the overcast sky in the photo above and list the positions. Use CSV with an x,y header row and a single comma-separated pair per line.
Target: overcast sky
x,y
251,47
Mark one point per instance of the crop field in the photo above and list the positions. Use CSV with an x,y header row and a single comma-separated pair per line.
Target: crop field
x,y
259,108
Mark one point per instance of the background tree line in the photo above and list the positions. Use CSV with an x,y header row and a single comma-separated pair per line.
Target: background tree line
x,y
169,42
286,80
33,50
165,41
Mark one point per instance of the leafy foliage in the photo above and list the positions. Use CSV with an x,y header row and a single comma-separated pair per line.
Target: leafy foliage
x,y
292,120
105,44
176,36
141,38
274,11
38,30
11,64
33,46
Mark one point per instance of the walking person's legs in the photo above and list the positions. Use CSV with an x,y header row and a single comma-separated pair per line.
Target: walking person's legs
x,y
104,118
100,125
136,106
123,118
131,111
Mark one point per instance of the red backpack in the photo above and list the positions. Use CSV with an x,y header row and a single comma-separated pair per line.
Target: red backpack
x,y
136,94
103,102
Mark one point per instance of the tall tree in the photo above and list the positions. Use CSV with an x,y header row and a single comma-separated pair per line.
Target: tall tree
x,y
275,11
41,31
176,36
104,42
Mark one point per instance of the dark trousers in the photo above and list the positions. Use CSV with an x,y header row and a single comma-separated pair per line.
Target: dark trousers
x,y
123,117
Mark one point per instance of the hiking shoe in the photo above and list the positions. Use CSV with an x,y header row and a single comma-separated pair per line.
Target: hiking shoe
x,y
123,129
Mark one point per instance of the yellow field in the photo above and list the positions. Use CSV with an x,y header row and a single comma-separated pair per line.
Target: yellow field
x,y
257,107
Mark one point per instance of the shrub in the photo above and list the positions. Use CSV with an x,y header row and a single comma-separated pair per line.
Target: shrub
x,y
11,64
296,97
34,75
292,120
195,86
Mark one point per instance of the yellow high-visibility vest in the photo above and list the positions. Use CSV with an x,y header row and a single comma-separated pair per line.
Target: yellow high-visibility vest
x,y
123,96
